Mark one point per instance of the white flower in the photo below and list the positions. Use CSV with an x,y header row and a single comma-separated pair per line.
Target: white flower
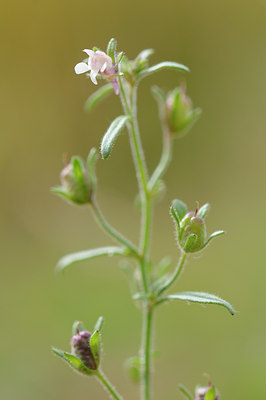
x,y
98,63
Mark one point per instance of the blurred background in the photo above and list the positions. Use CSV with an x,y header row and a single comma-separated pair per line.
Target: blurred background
x,y
222,161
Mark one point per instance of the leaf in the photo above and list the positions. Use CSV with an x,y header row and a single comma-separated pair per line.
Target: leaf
x,y
162,66
199,297
203,210
73,361
111,48
61,192
145,54
110,136
180,208
95,347
212,236
185,391
99,324
133,366
97,97
70,259
211,394
91,161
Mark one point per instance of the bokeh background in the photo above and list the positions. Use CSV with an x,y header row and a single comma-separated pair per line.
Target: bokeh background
x,y
222,161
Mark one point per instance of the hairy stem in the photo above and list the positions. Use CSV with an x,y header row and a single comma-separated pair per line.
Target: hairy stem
x,y
129,102
164,161
175,275
108,385
110,230
146,351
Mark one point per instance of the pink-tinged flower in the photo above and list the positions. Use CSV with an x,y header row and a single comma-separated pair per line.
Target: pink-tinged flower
x,y
98,63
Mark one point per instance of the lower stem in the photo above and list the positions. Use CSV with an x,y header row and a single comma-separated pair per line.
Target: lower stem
x,y
108,385
146,352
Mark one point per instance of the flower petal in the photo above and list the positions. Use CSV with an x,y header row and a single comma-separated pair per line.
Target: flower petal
x,y
81,67
89,52
104,67
93,75
115,86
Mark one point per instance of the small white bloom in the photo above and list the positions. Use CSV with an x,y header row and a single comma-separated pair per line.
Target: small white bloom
x,y
98,63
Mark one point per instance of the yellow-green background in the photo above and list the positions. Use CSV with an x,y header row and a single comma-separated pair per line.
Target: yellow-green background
x,y
221,161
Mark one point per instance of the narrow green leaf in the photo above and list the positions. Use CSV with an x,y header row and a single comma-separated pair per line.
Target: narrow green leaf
x,y
72,361
145,54
212,236
99,324
112,133
78,167
111,48
91,161
185,392
95,98
162,66
119,57
180,208
70,259
77,364
133,365
95,347
199,297
158,95
211,394
203,210
61,192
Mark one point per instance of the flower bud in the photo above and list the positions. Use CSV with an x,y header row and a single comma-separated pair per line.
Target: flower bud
x,y
180,114
202,391
192,232
78,182
80,348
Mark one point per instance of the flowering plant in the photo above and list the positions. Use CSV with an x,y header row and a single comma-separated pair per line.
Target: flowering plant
x,y
78,185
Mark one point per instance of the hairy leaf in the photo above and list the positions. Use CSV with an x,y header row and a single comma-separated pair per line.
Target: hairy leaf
x,y
73,258
199,297
112,133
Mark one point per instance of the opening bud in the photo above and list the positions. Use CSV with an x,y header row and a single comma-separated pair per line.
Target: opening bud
x,y
208,392
191,228
180,114
192,232
78,180
80,348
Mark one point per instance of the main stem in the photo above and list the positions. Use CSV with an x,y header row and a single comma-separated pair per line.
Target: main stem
x,y
129,101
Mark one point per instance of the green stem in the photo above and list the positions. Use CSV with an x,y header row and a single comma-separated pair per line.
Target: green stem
x,y
110,230
146,352
164,161
108,385
175,275
130,107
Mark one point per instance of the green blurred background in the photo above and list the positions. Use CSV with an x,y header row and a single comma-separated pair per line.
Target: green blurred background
x,y
221,161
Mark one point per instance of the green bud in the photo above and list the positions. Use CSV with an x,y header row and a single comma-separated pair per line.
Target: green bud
x,y
180,114
78,181
190,226
192,233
